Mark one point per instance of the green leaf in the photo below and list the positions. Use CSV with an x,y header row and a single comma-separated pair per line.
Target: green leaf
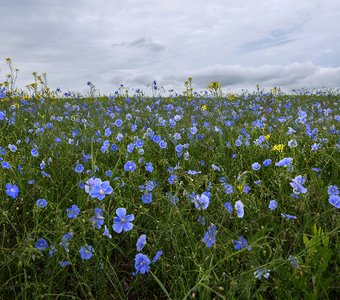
x,y
305,240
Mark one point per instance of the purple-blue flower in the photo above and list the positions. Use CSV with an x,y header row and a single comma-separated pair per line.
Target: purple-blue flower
x,y
73,211
79,168
272,204
41,203
86,252
141,242
130,166
157,256
334,200
97,220
13,148
201,202
256,166
239,207
241,243
147,198
267,162
100,189
122,222
118,122
172,179
149,167
229,207
296,184
261,272
12,190
41,244
284,162
162,144
64,263
107,232
333,190
209,236
142,263
34,152
289,217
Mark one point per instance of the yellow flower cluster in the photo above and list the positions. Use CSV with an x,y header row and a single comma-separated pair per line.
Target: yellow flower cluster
x,y
204,107
278,147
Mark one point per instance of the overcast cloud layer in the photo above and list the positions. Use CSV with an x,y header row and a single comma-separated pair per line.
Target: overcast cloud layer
x,y
286,43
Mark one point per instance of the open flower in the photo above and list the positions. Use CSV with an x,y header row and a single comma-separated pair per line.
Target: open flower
x,y
122,222
86,252
142,263
101,189
12,190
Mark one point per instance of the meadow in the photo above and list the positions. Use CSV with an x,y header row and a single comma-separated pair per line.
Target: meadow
x,y
194,196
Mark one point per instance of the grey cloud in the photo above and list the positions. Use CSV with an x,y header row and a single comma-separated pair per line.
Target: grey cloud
x,y
294,75
141,42
135,42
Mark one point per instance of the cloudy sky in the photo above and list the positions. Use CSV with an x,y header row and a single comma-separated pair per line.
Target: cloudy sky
x,y
285,43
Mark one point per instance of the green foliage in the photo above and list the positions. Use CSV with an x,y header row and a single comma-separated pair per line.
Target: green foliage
x,y
300,255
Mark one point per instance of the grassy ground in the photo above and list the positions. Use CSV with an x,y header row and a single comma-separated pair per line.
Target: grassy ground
x,y
255,251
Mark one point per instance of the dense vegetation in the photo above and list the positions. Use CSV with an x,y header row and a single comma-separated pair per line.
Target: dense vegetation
x,y
187,197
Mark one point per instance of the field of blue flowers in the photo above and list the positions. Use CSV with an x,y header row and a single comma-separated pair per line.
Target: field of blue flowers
x,y
202,197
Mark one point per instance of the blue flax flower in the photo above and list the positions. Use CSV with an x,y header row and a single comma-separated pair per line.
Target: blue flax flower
x,y
201,202
130,166
34,152
12,190
272,204
100,189
106,232
141,242
142,263
261,272
256,166
229,207
239,207
267,162
79,168
289,217
41,203
284,162
41,244
172,179
157,256
97,220
5,165
333,190
86,252
73,211
296,184
241,243
147,198
209,236
334,200
64,263
149,167
122,222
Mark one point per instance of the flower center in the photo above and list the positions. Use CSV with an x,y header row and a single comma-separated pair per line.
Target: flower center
x,y
101,192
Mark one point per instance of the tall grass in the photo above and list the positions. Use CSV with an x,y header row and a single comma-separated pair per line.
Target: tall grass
x,y
287,257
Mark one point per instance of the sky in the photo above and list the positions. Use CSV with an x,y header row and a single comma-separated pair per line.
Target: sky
x,y
285,43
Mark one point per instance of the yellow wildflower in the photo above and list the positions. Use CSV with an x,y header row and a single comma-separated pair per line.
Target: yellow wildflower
x,y
204,107
267,137
278,147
